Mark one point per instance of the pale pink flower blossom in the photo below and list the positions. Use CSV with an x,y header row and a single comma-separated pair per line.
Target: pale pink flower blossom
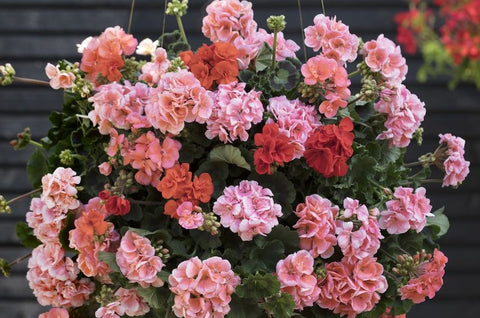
x,y
45,222
409,210
127,302
383,56
316,225
137,260
203,288
294,119
455,166
178,98
55,313
350,288
153,71
428,282
234,111
59,190
247,209
53,278
358,241
188,218
59,79
333,38
297,278
333,79
228,19
147,47
405,113
149,157
119,106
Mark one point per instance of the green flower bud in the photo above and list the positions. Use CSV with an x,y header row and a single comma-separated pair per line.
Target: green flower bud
x,y
7,73
66,157
276,23
175,7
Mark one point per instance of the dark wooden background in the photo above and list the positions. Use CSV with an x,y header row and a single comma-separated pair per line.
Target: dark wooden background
x,y
34,32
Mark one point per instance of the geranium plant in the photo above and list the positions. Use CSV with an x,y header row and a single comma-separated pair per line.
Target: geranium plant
x,y
447,34
234,179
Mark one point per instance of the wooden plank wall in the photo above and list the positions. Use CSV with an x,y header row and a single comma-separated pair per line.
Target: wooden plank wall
x,y
34,32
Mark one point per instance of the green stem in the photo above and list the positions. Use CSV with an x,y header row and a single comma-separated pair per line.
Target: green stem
x,y
274,49
323,8
413,164
354,73
31,81
36,144
22,196
356,99
432,181
180,27
20,259
163,24
302,30
130,19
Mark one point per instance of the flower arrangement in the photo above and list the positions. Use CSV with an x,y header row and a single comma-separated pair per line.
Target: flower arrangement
x,y
234,179
451,47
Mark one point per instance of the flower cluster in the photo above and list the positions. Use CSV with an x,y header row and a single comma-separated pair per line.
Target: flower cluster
x,y
234,178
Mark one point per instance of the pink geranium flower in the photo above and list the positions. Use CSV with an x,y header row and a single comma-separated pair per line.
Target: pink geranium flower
x,y
455,166
333,38
178,98
297,278
409,210
45,222
59,191
405,112
316,225
294,119
234,111
383,56
137,260
247,209
203,288
428,282
59,79
350,288
127,302
55,313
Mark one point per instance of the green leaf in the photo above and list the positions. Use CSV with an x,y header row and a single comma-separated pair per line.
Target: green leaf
x,y
230,155
135,213
287,236
205,239
25,234
219,173
280,305
5,267
110,259
258,286
286,77
152,296
439,223
244,308
36,168
63,235
269,254
264,58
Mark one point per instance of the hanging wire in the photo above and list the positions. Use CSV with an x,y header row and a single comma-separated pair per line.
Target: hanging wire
x,y
163,26
131,17
301,30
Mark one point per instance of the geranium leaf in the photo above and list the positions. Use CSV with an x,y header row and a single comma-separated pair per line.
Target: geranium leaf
x,y
258,286
36,168
269,254
439,223
152,296
219,173
280,305
287,236
25,234
282,188
264,58
110,259
230,155
244,308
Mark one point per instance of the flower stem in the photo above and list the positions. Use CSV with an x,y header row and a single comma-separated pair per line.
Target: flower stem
x,y
323,7
353,73
31,81
413,164
356,99
22,196
35,143
432,181
180,27
141,202
274,49
302,29
131,17
19,260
